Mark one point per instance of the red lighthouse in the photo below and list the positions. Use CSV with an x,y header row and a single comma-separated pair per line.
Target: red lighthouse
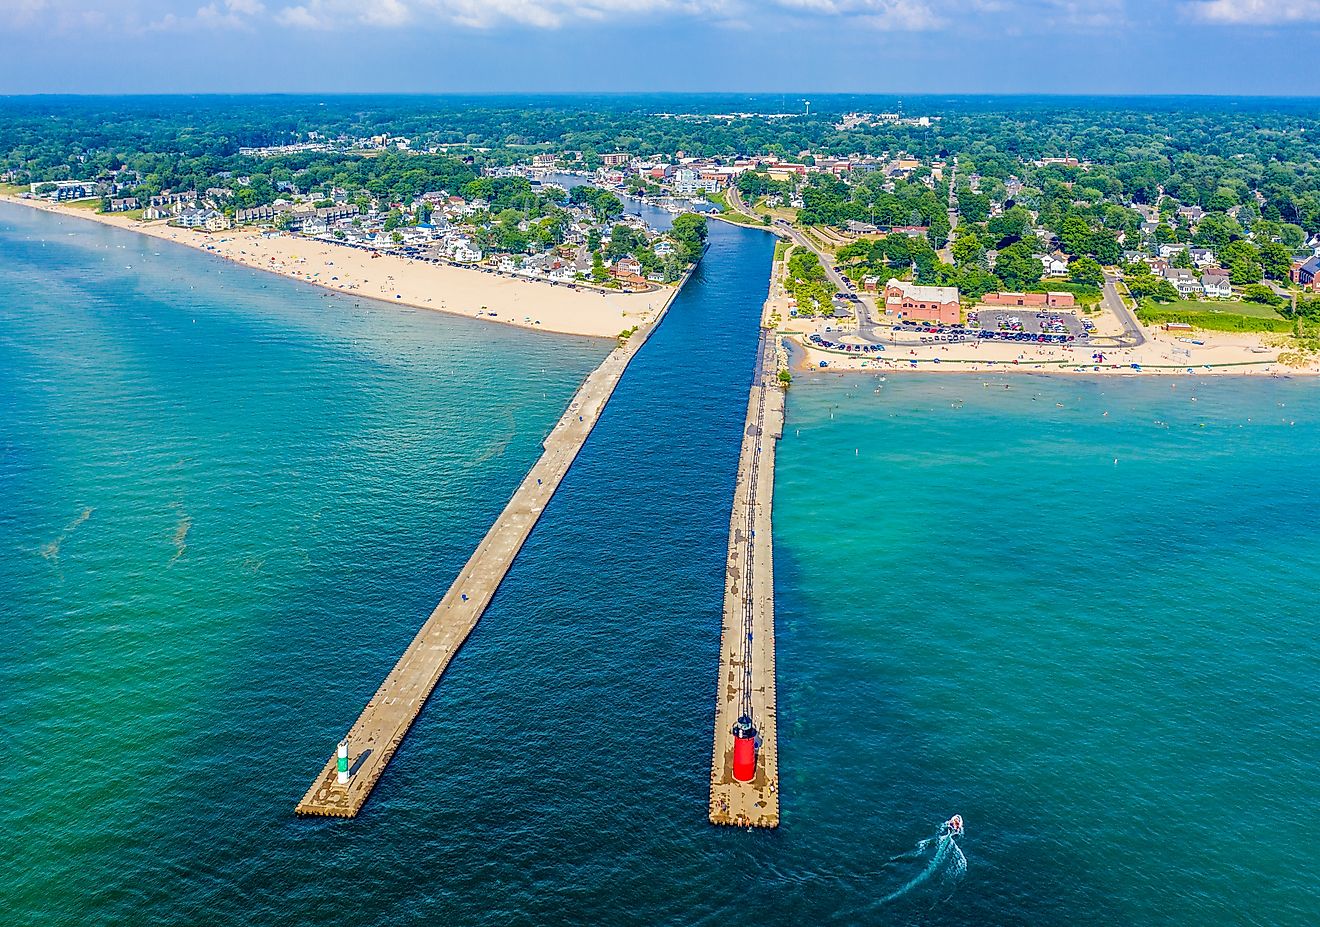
x,y
744,749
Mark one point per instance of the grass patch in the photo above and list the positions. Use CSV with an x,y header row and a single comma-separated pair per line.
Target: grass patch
x,y
781,248
13,189
740,219
1228,316
1224,307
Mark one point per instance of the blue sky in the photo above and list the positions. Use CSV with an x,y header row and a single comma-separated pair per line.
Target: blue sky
x,y
1266,47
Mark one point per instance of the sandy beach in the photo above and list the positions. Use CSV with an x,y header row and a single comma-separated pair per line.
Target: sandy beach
x,y
1220,355
1197,353
391,278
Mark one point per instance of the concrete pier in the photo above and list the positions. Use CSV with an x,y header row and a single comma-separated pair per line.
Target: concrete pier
x,y
747,644
378,731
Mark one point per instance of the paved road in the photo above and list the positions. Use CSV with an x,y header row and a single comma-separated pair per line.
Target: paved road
x,y
946,253
868,329
1133,335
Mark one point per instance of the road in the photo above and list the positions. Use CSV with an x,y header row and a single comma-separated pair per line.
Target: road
x,y
1133,335
868,329
946,253
734,198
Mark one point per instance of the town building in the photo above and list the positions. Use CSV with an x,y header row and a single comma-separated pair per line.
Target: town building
x,y
924,303
1051,300
1307,273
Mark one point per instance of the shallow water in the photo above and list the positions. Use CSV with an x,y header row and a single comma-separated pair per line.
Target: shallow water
x,y
217,535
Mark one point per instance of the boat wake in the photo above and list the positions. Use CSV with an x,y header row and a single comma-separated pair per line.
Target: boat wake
x,y
946,861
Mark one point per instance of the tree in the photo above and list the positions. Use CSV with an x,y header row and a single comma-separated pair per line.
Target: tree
x,y
1086,270
1075,236
1275,260
689,232
1103,245
1012,223
967,248
1018,267
1244,271
1260,293
623,240
1148,286
974,282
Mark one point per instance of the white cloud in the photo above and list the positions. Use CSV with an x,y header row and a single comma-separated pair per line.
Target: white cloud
x,y
782,16
298,17
549,14
1253,12
878,14
231,14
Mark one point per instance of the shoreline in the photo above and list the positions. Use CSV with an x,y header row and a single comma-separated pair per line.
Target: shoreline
x,y
392,279
1195,353
808,360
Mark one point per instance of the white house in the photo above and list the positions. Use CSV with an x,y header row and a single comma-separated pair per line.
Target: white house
x,y
1054,266
1184,281
1216,286
462,252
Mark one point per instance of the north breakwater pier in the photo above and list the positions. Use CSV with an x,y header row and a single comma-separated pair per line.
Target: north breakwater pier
x,y
348,777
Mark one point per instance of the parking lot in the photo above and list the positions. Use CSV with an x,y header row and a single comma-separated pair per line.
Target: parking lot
x,y
1031,321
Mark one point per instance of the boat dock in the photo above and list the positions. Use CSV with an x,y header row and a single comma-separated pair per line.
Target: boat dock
x,y
346,781
744,773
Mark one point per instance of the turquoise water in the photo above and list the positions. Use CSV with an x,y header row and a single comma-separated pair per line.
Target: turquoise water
x,y
1081,613
226,501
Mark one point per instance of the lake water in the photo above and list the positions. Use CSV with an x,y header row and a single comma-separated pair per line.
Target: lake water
x,y
227,501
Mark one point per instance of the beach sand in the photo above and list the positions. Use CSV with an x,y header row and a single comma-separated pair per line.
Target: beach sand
x,y
1219,354
395,279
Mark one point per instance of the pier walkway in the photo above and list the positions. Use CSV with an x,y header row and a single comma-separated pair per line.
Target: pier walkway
x,y
381,727
746,684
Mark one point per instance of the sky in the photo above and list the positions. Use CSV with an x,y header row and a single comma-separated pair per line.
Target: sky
x,y
1247,47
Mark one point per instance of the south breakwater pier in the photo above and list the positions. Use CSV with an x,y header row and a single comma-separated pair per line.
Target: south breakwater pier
x,y
744,773
348,777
